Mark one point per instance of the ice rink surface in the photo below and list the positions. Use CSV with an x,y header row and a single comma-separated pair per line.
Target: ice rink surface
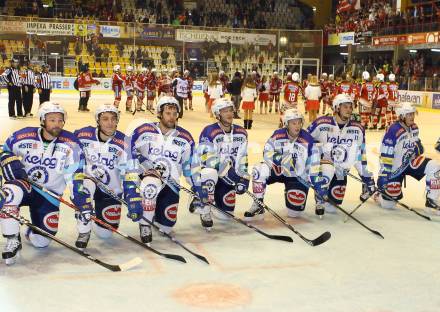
x,y
355,271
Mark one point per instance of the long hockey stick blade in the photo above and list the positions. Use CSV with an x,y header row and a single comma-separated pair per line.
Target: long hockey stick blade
x,y
320,239
188,250
168,256
276,237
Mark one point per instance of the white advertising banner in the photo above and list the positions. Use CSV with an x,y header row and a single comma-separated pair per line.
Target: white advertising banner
x,y
110,31
50,29
190,35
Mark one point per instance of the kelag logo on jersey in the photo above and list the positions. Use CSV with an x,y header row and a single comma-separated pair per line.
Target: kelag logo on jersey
x,y
51,163
101,160
162,152
227,150
339,140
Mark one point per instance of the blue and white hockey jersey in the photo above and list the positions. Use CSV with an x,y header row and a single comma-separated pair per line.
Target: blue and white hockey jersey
x,y
51,165
174,151
109,161
299,157
344,147
217,149
399,146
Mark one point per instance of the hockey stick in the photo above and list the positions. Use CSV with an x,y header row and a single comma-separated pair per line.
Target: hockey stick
x,y
359,206
174,184
112,267
341,209
392,199
315,242
112,194
104,224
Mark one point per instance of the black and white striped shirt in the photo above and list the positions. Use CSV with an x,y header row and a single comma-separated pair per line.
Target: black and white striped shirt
x,y
12,75
43,81
29,77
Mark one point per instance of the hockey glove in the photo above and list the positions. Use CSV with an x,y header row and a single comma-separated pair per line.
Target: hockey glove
x,y
368,188
321,190
241,186
418,149
276,163
81,198
12,167
382,182
134,204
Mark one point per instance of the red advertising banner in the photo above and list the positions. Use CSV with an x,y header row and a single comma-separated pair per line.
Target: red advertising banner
x,y
418,38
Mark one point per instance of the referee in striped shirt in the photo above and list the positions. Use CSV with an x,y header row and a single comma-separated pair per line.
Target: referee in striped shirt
x,y
28,89
44,84
12,78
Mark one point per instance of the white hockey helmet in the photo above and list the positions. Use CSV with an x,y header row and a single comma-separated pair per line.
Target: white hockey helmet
x,y
167,100
153,70
219,104
341,99
103,108
295,76
289,74
220,73
186,72
50,107
405,108
366,75
129,68
117,68
324,75
275,73
392,77
144,70
380,77
331,77
291,114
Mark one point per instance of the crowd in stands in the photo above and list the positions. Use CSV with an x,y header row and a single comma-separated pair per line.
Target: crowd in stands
x,y
381,16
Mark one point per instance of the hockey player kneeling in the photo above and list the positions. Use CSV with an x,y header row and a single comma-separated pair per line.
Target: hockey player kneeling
x,y
106,151
290,157
47,155
342,143
222,153
401,154
165,152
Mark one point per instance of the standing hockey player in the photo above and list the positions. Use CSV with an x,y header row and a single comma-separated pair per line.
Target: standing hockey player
x,y
117,84
165,84
139,86
288,154
325,91
401,154
107,160
343,145
222,152
190,80
393,98
367,96
85,81
152,82
275,88
180,87
291,90
129,80
47,155
382,104
165,152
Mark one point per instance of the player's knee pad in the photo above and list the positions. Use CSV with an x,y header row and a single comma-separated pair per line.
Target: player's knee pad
x,y
150,188
208,179
38,240
394,189
295,199
432,172
386,204
100,231
260,172
90,187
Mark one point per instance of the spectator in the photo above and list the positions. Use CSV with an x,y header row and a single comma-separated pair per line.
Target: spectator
x,y
164,56
101,74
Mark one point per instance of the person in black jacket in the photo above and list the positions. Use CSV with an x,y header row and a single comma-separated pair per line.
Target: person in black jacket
x,y
234,88
12,78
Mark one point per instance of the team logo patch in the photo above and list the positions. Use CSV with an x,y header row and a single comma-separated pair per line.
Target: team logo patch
x,y
339,154
296,197
338,192
210,186
229,199
171,212
149,191
9,195
393,189
255,174
50,221
417,162
39,174
112,214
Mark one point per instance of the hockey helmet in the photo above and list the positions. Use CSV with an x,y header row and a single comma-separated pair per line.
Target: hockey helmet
x,y
366,75
295,76
103,108
341,99
167,100
50,107
292,114
405,108
117,68
219,104
392,77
